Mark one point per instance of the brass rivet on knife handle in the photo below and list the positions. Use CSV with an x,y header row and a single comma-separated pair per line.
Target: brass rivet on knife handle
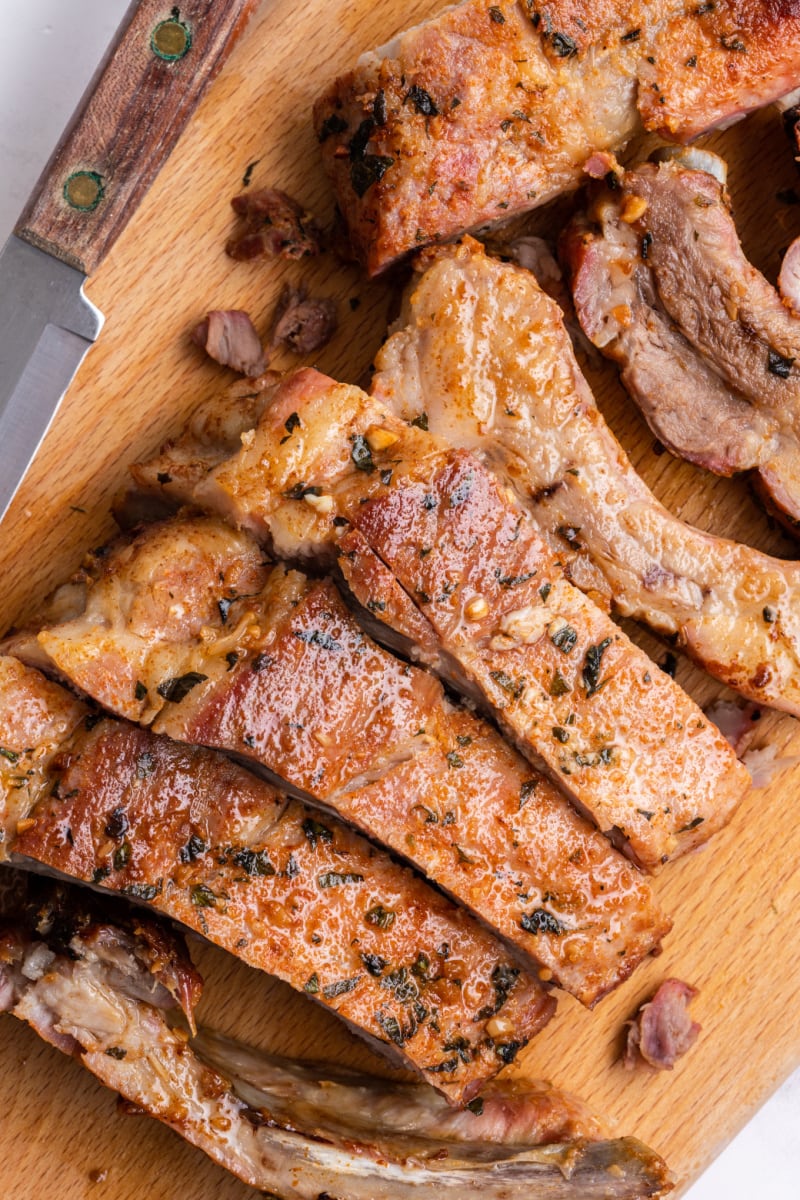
x,y
127,124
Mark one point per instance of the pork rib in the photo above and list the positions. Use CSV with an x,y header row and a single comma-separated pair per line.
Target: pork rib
x,y
366,734
706,345
489,607
484,111
497,374
90,986
203,841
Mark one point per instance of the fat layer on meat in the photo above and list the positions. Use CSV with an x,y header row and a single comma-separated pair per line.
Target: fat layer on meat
x,y
496,373
289,892
92,987
368,735
706,345
484,111
499,617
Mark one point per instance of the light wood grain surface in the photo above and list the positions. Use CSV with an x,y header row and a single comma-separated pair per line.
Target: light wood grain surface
x,y
736,936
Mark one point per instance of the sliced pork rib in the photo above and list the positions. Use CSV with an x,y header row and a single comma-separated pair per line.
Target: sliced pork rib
x,y
706,345
497,374
484,111
368,735
283,888
91,986
488,606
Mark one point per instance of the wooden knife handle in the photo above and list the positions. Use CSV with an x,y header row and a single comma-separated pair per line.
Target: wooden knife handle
x,y
133,113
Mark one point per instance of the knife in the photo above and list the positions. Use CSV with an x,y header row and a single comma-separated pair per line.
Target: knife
x,y
144,92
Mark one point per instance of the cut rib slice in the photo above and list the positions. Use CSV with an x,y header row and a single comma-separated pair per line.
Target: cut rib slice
x,y
285,678
498,376
484,111
300,896
500,620
90,984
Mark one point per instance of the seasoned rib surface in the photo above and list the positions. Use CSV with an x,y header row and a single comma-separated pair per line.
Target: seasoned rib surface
x,y
288,892
484,111
92,987
497,375
507,627
706,345
370,736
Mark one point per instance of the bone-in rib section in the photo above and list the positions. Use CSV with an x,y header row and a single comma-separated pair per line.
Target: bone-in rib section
x,y
285,678
497,374
280,886
92,983
576,695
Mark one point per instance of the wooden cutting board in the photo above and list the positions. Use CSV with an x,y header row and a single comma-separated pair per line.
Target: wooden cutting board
x,y
736,935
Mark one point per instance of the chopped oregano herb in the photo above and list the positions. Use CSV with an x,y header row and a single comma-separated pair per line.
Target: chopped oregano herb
x,y
591,666
340,988
561,735
476,1106
11,755
361,454
317,637
193,849
559,685
374,963
420,421
116,1052
316,832
338,878
461,491
202,896
563,45
145,765
254,862
122,856
526,791
381,917
565,638
117,823
142,891
544,591
422,101
769,615
514,687
512,581
332,125
507,1051
379,108
177,688
692,825
140,691
454,759
391,1027
311,985
540,921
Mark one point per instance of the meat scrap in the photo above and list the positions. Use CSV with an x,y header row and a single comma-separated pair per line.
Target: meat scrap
x,y
273,224
732,608
303,324
230,338
286,1128
662,1030
485,111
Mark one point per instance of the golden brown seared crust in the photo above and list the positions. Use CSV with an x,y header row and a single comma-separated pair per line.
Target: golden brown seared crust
x,y
287,890
717,59
472,116
488,110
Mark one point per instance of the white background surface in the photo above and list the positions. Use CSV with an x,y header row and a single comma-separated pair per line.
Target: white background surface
x,y
48,51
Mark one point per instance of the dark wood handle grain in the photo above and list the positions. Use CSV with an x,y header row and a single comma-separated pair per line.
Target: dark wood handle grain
x,y
133,113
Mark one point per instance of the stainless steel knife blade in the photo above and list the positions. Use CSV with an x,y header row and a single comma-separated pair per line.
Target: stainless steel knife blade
x,y
47,325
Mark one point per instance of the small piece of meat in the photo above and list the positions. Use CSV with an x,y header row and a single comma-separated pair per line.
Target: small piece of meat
x,y
300,1131
273,224
486,111
662,1030
488,585
497,375
738,723
789,278
706,345
367,735
284,888
230,338
304,325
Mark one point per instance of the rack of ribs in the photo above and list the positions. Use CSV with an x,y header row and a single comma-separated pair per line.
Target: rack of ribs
x,y
367,735
201,840
472,583
484,111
